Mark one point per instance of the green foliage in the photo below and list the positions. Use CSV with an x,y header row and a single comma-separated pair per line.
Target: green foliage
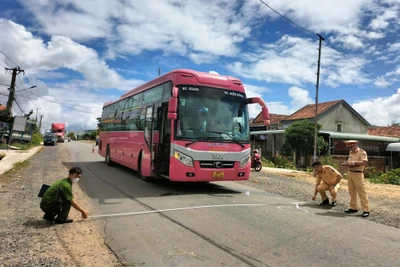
x,y
392,177
93,135
300,137
99,124
328,160
2,155
72,135
37,138
378,177
322,146
286,149
267,163
283,162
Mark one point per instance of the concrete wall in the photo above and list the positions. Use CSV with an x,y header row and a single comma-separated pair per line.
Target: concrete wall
x,y
341,114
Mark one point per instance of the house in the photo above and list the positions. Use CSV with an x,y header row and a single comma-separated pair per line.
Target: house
x,y
339,122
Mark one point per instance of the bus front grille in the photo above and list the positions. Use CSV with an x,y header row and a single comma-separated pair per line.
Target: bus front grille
x,y
217,164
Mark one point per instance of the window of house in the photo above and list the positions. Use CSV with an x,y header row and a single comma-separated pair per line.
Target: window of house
x,y
338,127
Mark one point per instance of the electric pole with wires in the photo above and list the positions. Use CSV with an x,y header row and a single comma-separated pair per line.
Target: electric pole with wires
x,y
11,96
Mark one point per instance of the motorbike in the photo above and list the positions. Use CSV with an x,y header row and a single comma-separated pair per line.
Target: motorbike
x,y
256,163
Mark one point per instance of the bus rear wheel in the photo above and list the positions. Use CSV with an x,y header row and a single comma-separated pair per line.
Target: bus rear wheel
x,y
108,156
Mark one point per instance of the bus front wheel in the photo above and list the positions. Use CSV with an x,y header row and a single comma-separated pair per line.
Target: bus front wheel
x,y
144,178
108,156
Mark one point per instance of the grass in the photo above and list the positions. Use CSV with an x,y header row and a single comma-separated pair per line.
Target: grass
x,y
22,146
10,174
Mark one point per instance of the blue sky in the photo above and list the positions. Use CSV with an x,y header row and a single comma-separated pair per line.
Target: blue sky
x,y
81,54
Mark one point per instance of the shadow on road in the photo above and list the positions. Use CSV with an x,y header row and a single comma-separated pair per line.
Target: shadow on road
x,y
118,182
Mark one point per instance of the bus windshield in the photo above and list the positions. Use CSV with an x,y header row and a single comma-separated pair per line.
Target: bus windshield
x,y
211,114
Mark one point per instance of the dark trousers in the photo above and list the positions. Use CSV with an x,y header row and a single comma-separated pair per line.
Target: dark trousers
x,y
54,210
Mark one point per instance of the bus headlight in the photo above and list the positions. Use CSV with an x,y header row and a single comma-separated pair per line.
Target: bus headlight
x,y
186,160
244,161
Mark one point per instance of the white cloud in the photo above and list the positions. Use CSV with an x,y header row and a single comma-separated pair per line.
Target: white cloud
x,y
382,21
293,60
45,61
380,111
254,91
300,98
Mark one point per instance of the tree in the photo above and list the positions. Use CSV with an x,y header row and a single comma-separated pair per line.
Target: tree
x,y
99,124
93,135
72,135
300,137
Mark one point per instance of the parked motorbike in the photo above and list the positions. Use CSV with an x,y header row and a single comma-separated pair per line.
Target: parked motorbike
x,y
256,162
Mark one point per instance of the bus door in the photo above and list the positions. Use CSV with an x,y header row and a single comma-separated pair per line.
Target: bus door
x,y
148,136
165,142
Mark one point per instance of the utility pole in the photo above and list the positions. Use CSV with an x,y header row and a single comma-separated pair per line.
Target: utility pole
x,y
159,71
36,114
40,123
316,98
11,96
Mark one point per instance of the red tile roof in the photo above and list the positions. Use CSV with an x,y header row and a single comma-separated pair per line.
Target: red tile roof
x,y
2,107
391,131
308,111
275,119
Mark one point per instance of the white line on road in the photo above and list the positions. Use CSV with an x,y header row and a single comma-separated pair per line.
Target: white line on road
x,y
175,209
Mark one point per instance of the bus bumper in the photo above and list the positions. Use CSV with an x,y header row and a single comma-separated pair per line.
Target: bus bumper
x,y
181,173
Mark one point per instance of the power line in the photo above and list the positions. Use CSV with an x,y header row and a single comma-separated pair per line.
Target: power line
x,y
376,78
8,58
331,46
304,29
16,101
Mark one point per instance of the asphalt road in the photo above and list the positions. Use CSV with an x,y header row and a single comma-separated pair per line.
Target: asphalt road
x,y
222,224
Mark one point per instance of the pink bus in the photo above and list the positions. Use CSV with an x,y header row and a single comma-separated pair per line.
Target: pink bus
x,y
58,129
184,126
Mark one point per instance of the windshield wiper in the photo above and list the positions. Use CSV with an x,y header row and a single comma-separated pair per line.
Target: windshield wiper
x,y
229,135
201,139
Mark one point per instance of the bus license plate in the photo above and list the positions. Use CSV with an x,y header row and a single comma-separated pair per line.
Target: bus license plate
x,y
218,174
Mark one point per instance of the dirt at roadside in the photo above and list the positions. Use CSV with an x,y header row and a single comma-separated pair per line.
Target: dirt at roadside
x,y
27,240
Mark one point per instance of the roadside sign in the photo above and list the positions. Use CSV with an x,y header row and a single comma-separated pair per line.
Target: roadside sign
x,y
19,123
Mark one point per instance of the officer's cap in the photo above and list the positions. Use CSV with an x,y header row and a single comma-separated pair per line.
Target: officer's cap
x,y
350,142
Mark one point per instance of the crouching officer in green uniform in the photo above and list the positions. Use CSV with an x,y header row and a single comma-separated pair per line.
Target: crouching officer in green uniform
x,y
58,199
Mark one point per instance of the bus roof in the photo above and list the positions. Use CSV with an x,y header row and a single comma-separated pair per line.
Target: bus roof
x,y
183,74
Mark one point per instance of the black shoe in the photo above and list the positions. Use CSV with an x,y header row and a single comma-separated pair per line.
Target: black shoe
x,y
48,217
68,220
325,202
350,211
365,214
334,203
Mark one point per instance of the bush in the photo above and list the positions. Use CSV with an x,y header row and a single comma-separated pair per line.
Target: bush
x,y
267,163
377,177
283,162
328,160
392,177
37,138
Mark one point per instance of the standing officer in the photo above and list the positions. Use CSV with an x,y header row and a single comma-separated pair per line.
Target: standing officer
x,y
356,164
328,179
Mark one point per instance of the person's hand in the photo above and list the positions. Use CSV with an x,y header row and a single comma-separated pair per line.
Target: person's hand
x,y
314,197
84,214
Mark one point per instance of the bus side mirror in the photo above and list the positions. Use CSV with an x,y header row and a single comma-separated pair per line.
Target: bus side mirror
x,y
172,108
264,109
265,114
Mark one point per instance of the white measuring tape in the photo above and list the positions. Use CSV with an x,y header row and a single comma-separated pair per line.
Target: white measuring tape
x,y
175,209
